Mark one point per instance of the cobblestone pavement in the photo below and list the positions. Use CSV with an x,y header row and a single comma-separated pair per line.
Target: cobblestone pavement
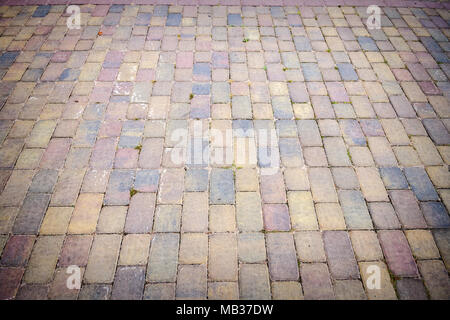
x,y
88,178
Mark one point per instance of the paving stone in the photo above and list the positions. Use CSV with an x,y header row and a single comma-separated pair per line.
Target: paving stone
x,y
31,214
397,252
163,258
341,260
355,210
411,289
222,260
281,255
407,209
386,290
43,259
435,279
316,282
254,282
191,282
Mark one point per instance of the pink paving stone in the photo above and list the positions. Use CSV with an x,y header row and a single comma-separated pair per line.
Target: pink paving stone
x,y
43,30
140,213
418,71
272,188
240,89
126,158
337,92
55,154
103,154
155,33
9,282
100,11
426,60
34,43
429,88
298,92
101,92
407,209
75,250
397,252
122,88
145,75
61,56
108,74
17,251
276,217
402,75
107,30
185,60
220,60
408,57
110,128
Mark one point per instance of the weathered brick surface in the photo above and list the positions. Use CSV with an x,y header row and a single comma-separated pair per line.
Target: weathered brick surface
x,y
332,156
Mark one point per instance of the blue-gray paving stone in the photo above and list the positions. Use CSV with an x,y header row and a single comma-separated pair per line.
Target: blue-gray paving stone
x,y
41,11
440,57
290,147
118,189
302,44
393,178
161,11
94,111
435,214
202,68
69,74
241,107
421,184
129,141
173,19
234,19
437,35
392,13
437,131
143,19
222,186
347,72
32,75
267,156
311,72
89,131
112,19
286,128
430,44
119,99
353,132
8,58
367,44
116,8
277,12
134,126
242,128
282,108
146,180
31,214
196,180
355,210
201,88
44,181
372,127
